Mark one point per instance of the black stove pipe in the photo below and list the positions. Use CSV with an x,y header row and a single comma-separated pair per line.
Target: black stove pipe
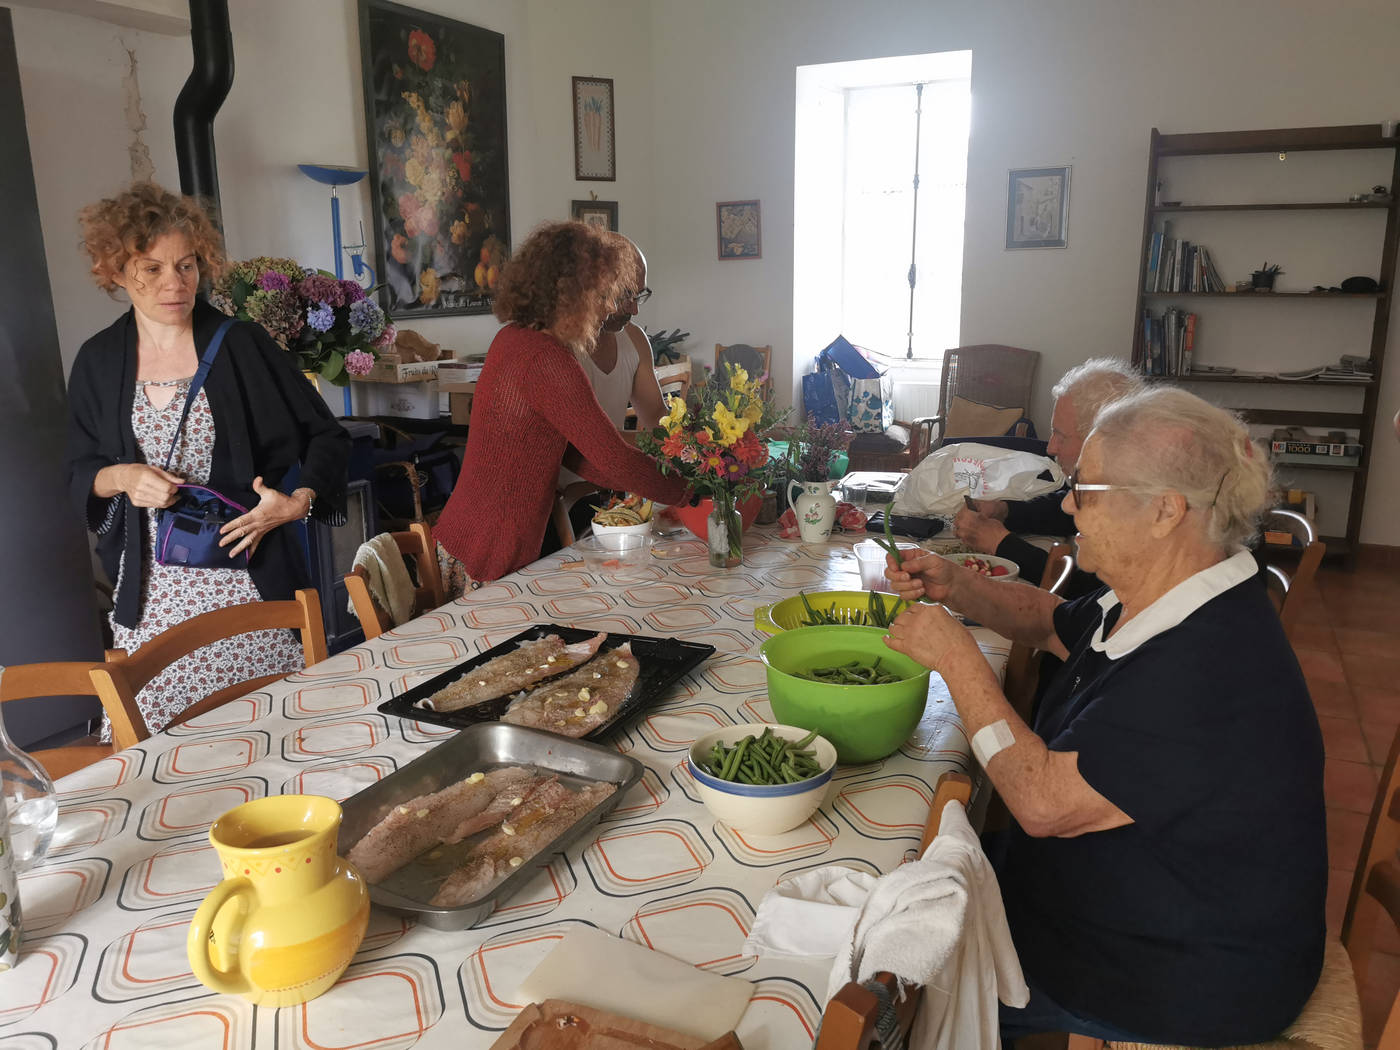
x,y
204,92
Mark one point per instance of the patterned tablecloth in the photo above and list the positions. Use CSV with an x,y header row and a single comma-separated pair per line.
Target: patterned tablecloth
x,y
106,914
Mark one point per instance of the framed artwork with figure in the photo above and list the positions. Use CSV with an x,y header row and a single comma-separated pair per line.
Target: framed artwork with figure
x,y
602,214
435,117
1037,208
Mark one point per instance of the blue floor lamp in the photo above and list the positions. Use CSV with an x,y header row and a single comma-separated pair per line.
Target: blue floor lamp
x,y
335,176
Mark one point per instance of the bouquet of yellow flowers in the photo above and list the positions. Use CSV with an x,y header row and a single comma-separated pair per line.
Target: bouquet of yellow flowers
x,y
718,443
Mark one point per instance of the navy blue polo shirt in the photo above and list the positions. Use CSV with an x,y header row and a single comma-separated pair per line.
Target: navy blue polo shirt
x,y
1203,921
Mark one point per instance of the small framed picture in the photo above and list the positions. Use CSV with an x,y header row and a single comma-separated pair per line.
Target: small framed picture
x,y
602,214
740,234
1037,208
595,153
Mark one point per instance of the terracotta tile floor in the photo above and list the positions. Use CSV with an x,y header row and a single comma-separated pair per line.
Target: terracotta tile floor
x,y
1348,649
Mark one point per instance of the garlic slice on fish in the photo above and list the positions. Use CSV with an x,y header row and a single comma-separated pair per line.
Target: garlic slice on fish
x,y
476,778
584,694
515,862
578,712
597,674
421,814
598,708
622,663
507,829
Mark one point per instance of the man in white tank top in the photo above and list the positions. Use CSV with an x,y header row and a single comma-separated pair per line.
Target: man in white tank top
x,y
621,369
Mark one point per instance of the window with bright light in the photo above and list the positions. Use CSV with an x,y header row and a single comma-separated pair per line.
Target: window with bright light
x,y
882,233
860,129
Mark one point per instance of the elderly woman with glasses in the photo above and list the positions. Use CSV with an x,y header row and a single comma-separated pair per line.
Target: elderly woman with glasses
x,y
1165,872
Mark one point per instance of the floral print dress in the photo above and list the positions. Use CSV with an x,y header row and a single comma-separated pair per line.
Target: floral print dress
x,y
171,594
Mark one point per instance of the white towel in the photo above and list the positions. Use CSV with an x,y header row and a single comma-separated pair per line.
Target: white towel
x,y
939,922
809,914
386,577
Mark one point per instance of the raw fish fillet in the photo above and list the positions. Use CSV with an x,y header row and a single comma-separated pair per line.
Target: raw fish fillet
x,y
543,816
446,816
527,664
580,701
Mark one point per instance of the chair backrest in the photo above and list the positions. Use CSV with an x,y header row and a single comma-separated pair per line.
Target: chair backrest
x,y
1375,887
73,678
848,1023
126,674
564,501
755,360
418,544
990,374
1291,587
1022,663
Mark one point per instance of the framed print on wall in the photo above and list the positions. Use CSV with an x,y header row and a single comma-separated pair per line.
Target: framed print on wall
x,y
435,117
595,151
602,214
1037,208
737,225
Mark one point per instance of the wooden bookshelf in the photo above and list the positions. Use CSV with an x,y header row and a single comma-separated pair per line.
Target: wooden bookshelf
x,y
1283,141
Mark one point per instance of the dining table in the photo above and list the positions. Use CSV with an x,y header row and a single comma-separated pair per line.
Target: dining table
x,y
107,911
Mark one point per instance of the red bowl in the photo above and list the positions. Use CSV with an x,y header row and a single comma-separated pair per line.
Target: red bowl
x,y
694,518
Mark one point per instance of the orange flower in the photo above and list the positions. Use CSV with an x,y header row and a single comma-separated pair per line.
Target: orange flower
x,y
749,450
463,160
399,249
422,50
714,463
673,446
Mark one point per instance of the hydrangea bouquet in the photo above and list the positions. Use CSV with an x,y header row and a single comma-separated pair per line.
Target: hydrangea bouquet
x,y
717,443
334,329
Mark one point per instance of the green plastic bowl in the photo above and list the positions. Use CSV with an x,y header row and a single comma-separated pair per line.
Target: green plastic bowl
x,y
863,722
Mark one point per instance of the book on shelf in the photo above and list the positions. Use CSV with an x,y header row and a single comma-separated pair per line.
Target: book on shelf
x,y
1175,265
1167,343
1300,501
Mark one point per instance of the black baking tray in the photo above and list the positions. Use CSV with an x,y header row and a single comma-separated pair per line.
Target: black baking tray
x,y
661,661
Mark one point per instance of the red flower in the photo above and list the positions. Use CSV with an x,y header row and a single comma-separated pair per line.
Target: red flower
x,y
463,160
422,50
399,248
714,464
749,450
704,437
673,446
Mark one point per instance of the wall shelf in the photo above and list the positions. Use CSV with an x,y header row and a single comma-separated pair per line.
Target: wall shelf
x,y
1282,141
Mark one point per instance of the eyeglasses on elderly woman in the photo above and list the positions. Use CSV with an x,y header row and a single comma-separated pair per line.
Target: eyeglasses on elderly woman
x,y
1077,488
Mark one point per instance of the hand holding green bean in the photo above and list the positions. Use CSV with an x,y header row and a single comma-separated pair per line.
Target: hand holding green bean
x,y
767,759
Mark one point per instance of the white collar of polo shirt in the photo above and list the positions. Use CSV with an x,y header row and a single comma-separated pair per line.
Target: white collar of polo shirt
x,y
1174,606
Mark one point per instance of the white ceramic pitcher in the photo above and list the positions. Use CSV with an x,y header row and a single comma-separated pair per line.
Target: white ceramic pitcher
x,y
815,508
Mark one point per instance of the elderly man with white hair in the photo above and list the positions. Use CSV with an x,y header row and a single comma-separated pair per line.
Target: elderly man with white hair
x,y
1165,873
992,526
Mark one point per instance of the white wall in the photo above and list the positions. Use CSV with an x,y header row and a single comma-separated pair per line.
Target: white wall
x,y
705,113
1076,82
297,97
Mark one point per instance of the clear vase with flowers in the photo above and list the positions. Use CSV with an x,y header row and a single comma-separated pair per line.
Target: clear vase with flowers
x,y
333,327
718,443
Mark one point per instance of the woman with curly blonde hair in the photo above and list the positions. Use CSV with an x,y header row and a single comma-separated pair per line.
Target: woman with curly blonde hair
x,y
534,402
253,422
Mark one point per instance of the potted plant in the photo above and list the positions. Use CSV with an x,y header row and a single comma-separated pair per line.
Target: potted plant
x,y
672,366
1262,279
810,451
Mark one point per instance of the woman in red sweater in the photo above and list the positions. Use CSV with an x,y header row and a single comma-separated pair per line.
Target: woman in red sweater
x,y
533,401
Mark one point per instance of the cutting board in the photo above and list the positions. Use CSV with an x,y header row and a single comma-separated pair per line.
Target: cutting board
x,y
556,1024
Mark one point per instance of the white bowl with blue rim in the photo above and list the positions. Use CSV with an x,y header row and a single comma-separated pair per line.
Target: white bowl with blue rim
x,y
761,809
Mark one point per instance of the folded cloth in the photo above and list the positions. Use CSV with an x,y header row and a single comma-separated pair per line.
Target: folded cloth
x,y
787,525
938,922
809,914
386,577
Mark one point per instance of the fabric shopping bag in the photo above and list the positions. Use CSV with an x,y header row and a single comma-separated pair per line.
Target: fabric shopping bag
x,y
864,392
936,486
819,402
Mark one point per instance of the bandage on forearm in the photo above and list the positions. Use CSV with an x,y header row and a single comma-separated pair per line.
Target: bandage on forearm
x,y
991,740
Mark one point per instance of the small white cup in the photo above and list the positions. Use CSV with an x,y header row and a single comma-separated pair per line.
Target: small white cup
x,y
1388,129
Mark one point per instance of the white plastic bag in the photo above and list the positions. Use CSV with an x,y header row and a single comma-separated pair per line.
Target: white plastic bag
x,y
936,487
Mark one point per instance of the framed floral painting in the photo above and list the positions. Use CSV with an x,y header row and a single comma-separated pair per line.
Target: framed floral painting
x,y
435,114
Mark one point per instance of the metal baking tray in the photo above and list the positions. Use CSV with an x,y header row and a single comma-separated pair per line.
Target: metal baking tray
x,y
661,663
479,748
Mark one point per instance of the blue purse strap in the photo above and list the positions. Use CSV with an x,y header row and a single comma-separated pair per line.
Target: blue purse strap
x,y
205,363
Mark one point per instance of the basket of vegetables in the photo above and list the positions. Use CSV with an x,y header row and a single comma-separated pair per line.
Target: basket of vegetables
x,y
846,684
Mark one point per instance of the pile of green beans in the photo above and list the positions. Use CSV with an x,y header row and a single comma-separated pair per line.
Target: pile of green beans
x,y
853,672
875,613
767,759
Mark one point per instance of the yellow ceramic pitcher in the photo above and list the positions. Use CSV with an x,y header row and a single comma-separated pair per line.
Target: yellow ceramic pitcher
x,y
290,914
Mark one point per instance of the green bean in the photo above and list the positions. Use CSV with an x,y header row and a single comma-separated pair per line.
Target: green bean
x,y
764,760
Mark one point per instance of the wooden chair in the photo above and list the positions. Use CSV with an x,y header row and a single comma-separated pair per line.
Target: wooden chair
x,y
902,447
564,501
848,1023
418,544
674,381
73,678
125,674
756,360
1023,662
989,374
1291,591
